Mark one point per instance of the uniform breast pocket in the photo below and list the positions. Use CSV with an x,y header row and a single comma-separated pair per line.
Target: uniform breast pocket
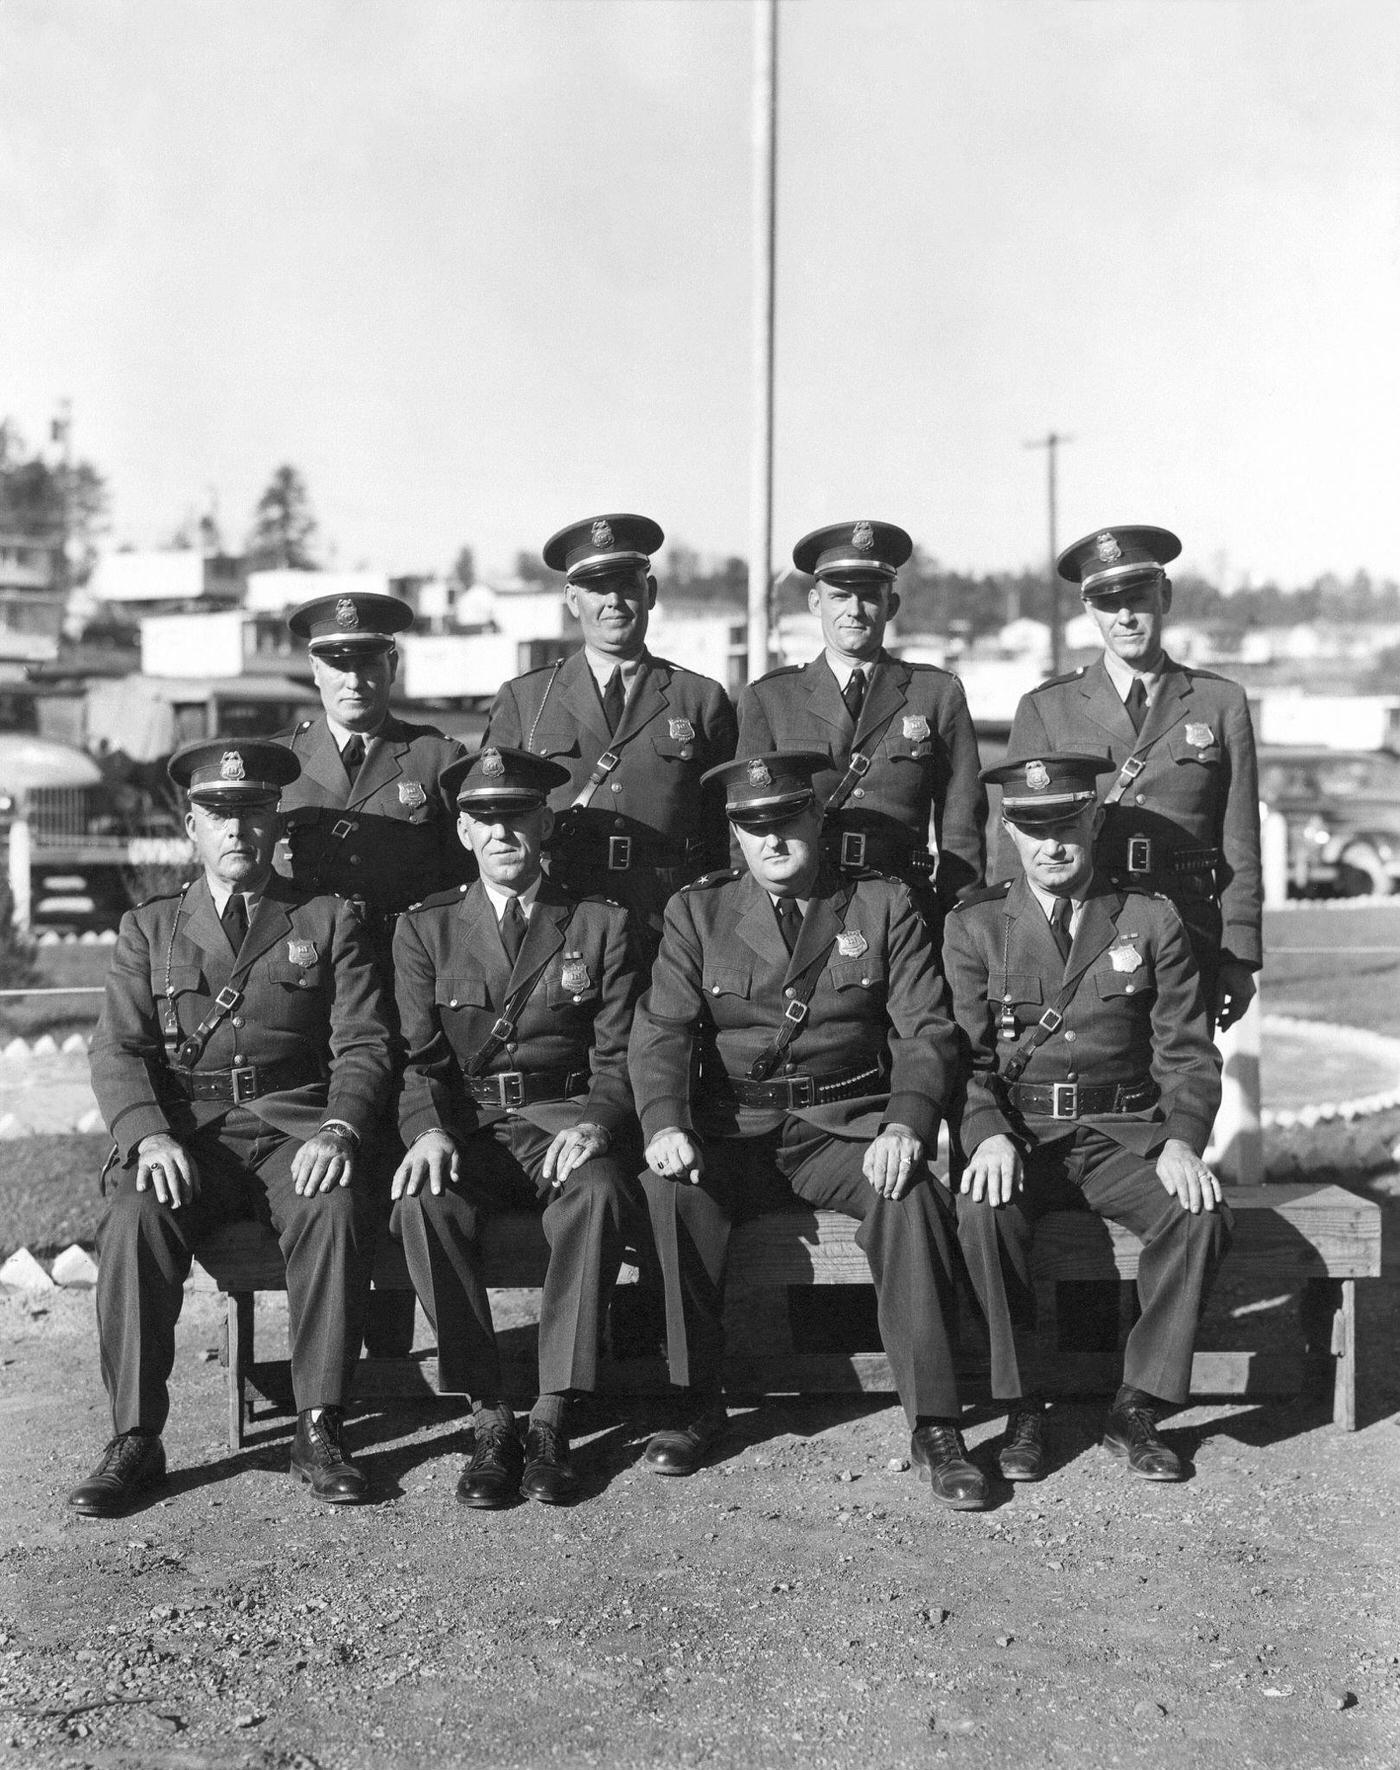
x,y
297,977
560,745
1019,989
184,980
463,991
721,983
906,750
1196,745
674,751
1115,985
866,973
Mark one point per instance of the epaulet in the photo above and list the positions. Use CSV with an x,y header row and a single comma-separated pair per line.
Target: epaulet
x,y
683,669
720,876
587,896
411,730
160,897
783,670
988,894
1058,681
439,899
288,732
542,670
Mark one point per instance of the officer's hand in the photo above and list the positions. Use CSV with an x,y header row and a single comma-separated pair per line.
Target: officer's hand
x,y
1183,1173
571,1148
163,1166
433,1159
892,1159
323,1162
993,1171
675,1156
1235,991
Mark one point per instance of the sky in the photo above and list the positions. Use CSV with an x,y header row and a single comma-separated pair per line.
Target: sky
x,y
480,268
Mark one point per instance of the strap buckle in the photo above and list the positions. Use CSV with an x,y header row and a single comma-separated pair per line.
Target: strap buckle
x,y
852,848
619,853
345,827
1052,1020
243,1083
1132,768
796,1012
510,1087
228,998
1064,1100
859,764
606,763
1139,855
802,1090
503,1031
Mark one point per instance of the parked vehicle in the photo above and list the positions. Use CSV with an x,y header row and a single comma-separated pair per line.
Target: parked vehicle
x,y
1342,809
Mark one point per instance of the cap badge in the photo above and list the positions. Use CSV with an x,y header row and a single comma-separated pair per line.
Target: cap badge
x,y
915,727
1199,736
757,773
1037,776
347,616
231,767
574,976
863,537
682,730
851,943
1107,548
493,763
412,795
602,533
302,952
1124,958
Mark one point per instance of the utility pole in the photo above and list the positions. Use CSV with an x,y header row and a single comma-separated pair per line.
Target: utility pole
x,y
765,135
1050,443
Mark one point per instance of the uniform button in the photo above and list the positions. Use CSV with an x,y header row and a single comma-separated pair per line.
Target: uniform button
x,y
237,1020
617,821
453,1002
789,993
354,860
1070,1037
714,989
1006,998
859,793
1142,799
1128,988
511,1050
788,1068
865,983
578,998
615,786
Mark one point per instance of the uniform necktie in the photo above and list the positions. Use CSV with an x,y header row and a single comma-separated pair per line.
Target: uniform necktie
x,y
1137,702
235,919
789,922
513,926
614,699
853,694
1059,926
353,756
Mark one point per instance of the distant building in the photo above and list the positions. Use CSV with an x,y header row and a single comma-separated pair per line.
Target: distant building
x,y
31,593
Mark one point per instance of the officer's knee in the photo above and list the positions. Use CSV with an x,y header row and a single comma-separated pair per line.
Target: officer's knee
x,y
131,1215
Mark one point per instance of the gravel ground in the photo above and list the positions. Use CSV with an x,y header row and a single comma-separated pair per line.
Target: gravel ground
x,y
802,1601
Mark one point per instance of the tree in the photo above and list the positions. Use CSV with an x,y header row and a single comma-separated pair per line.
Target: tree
x,y
531,569
464,569
283,526
64,504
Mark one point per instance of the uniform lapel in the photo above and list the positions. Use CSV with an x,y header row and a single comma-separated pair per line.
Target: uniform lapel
x,y
820,926
824,697
383,762
199,922
1030,945
1173,689
758,927
648,698
1104,705
1096,929
482,936
272,920
544,935
580,696
322,761
889,684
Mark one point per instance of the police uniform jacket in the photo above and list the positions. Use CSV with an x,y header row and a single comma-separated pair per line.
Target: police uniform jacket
x,y
1199,787
452,980
916,730
675,725
392,837
311,993
723,978
1138,1011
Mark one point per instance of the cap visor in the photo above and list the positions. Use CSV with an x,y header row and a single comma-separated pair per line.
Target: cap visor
x,y
481,804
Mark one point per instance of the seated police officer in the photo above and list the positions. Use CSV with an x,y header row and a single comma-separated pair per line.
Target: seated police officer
x,y
1094,1085
795,1046
515,1001
241,1055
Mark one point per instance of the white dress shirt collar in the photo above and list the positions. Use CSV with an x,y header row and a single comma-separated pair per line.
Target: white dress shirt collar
x,y
1121,675
603,666
343,734
499,899
844,668
222,893
1048,899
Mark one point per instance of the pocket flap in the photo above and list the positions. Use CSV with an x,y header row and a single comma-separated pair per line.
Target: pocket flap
x,y
1018,986
727,983
461,992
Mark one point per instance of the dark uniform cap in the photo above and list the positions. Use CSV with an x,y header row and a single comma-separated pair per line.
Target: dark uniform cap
x,y
233,771
853,549
1110,559
359,621
601,544
498,779
1038,792
760,791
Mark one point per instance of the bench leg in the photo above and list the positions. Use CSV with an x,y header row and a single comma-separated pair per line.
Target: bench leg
x,y
1329,1326
1344,1351
240,1355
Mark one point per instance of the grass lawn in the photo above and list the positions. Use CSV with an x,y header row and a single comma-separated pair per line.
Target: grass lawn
x,y
48,1191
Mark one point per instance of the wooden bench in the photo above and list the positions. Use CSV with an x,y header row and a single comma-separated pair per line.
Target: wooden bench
x,y
1319,1238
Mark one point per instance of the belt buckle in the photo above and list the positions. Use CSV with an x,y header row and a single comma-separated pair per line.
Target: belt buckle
x,y
243,1083
343,828
510,1087
852,848
1070,1090
802,1091
1139,855
619,853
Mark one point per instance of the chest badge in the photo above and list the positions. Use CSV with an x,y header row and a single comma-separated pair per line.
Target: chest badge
x,y
682,730
302,952
1199,736
851,943
915,727
1124,957
574,975
412,795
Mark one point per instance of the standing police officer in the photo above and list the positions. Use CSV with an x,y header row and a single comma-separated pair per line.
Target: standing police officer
x,y
241,1057
901,788
633,732
1183,806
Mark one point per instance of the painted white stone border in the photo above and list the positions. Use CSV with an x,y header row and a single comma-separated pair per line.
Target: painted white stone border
x,y
1354,1038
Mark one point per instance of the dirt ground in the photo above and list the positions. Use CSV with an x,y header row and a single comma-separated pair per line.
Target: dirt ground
x,y
802,1601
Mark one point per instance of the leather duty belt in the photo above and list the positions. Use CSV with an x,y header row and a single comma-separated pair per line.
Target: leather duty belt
x,y
1144,856
509,1088
855,850
1076,1100
245,1081
617,854
794,1092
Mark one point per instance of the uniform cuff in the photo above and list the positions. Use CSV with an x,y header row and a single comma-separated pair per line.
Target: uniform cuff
x,y
1187,1128
666,1115
135,1122
913,1110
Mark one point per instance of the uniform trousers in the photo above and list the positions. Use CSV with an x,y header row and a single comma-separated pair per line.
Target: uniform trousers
x,y
908,1244
501,1170
145,1248
1087,1171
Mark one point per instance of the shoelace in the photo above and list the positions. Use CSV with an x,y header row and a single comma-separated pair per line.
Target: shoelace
x,y
946,1440
491,1448
546,1440
129,1448
1024,1427
1140,1417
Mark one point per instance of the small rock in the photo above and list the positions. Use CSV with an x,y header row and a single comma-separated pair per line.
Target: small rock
x,y
1345,1699
1005,1640
847,1475
897,1465
248,1719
